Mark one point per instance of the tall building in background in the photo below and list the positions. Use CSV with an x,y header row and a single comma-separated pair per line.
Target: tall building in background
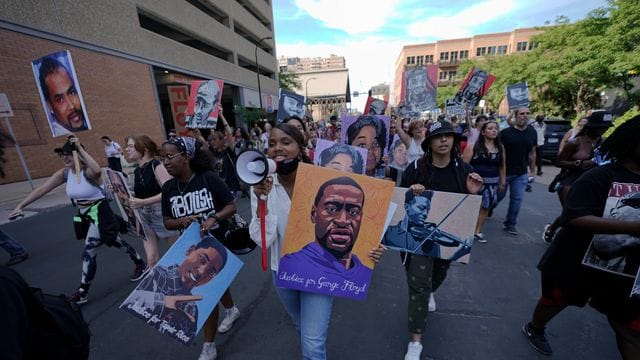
x,y
134,60
297,64
449,53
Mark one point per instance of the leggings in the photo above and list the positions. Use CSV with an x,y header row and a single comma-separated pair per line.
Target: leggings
x,y
91,244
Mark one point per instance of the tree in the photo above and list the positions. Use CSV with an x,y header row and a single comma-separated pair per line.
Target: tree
x,y
288,81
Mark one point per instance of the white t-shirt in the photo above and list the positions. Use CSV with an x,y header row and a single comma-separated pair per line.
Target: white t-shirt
x,y
112,150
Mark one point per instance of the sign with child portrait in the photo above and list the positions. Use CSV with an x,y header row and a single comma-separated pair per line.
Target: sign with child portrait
x,y
336,218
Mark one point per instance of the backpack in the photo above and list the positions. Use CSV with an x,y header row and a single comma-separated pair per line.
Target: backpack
x,y
56,327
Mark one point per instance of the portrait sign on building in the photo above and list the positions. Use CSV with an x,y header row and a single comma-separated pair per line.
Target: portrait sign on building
x,y
517,95
336,218
433,223
60,93
473,88
178,294
419,90
290,104
340,156
204,104
179,100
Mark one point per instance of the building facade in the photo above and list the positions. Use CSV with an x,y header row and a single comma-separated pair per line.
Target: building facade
x,y
127,55
448,54
297,64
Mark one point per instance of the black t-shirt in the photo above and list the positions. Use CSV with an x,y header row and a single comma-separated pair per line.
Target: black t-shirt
x,y
563,258
145,183
517,146
451,178
202,194
224,167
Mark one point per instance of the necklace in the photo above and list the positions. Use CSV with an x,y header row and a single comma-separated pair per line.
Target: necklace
x,y
186,186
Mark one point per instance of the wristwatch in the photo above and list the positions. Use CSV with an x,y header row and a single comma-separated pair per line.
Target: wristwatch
x,y
578,162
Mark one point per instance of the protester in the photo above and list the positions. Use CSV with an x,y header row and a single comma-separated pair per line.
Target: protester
x,y
196,194
113,151
540,127
95,222
264,137
565,281
474,132
439,169
412,138
572,133
241,141
149,176
519,141
487,157
576,158
310,312
224,161
299,124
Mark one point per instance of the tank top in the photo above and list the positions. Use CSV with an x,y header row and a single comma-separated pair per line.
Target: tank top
x,y
487,167
414,152
145,183
84,190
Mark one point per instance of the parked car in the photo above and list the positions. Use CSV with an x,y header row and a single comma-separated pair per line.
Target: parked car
x,y
556,129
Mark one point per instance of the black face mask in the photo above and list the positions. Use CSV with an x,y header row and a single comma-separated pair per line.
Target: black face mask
x,y
286,167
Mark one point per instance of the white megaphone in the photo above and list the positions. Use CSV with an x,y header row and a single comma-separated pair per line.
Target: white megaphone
x,y
253,167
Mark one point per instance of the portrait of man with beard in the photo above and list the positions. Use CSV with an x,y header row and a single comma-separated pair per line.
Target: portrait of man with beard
x,y
327,264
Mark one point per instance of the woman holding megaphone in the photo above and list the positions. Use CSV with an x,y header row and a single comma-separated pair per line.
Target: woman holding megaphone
x,y
310,312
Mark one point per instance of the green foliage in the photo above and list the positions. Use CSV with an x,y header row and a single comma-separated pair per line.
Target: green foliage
x,y
251,116
445,92
622,119
288,81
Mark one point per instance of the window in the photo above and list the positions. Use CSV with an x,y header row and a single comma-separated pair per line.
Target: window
x,y
464,54
444,56
502,49
411,60
443,75
428,59
420,60
533,45
491,50
454,55
521,46
481,51
451,75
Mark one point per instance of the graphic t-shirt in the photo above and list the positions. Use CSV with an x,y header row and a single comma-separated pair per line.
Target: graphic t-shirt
x,y
202,194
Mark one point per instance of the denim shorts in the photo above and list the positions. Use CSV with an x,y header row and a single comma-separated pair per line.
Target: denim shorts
x,y
151,219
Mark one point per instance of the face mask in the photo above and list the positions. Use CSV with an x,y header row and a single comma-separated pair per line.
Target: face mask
x,y
286,167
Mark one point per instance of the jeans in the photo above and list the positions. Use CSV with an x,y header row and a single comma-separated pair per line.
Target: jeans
x,y
311,314
11,245
516,185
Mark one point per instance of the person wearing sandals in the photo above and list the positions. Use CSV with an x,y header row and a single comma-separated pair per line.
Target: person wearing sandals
x,y
95,222
487,158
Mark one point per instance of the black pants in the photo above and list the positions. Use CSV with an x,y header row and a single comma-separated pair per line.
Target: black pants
x,y
539,158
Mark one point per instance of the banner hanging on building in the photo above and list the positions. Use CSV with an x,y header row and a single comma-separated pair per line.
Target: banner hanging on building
x,y
179,100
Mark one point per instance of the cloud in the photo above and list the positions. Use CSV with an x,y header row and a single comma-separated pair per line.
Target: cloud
x,y
353,17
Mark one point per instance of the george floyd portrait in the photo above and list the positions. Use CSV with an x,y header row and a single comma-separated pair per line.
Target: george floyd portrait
x,y
179,293
204,104
60,94
290,104
433,223
329,233
340,157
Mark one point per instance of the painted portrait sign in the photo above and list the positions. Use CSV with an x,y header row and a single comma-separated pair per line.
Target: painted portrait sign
x,y
518,95
375,106
370,132
454,108
433,223
204,104
398,153
290,104
419,86
474,87
341,157
179,293
336,218
617,253
60,93
122,194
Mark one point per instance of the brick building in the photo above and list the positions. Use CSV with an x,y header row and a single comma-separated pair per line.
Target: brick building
x,y
449,53
126,53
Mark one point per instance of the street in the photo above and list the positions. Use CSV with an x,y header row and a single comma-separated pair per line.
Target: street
x,y
481,306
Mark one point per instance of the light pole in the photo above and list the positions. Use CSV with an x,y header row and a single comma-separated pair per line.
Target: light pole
x,y
258,68
306,89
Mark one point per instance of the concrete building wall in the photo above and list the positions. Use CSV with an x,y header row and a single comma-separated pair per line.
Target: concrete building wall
x,y
118,95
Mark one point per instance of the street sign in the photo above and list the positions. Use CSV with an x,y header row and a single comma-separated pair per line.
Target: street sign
x,y
5,107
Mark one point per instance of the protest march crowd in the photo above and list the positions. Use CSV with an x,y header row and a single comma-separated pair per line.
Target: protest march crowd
x,y
194,179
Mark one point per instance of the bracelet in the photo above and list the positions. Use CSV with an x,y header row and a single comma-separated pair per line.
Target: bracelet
x,y
578,162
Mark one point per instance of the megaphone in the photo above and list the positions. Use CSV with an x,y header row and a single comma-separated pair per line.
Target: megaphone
x,y
252,167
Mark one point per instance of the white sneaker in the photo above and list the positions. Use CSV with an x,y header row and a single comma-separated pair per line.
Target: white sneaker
x,y
209,351
413,351
432,303
231,315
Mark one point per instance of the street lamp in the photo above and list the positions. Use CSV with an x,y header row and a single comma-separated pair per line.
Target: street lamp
x,y
258,68
306,89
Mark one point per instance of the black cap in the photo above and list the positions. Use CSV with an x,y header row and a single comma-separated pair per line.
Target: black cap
x,y
66,149
599,119
439,128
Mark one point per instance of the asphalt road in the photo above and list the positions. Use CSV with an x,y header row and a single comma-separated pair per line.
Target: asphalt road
x,y
481,306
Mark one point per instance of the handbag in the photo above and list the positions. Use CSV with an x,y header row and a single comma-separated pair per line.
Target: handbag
x,y
555,183
236,236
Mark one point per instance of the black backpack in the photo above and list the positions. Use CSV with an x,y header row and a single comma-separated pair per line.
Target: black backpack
x,y
56,328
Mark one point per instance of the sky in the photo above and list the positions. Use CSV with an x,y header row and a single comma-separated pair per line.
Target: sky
x,y
371,33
